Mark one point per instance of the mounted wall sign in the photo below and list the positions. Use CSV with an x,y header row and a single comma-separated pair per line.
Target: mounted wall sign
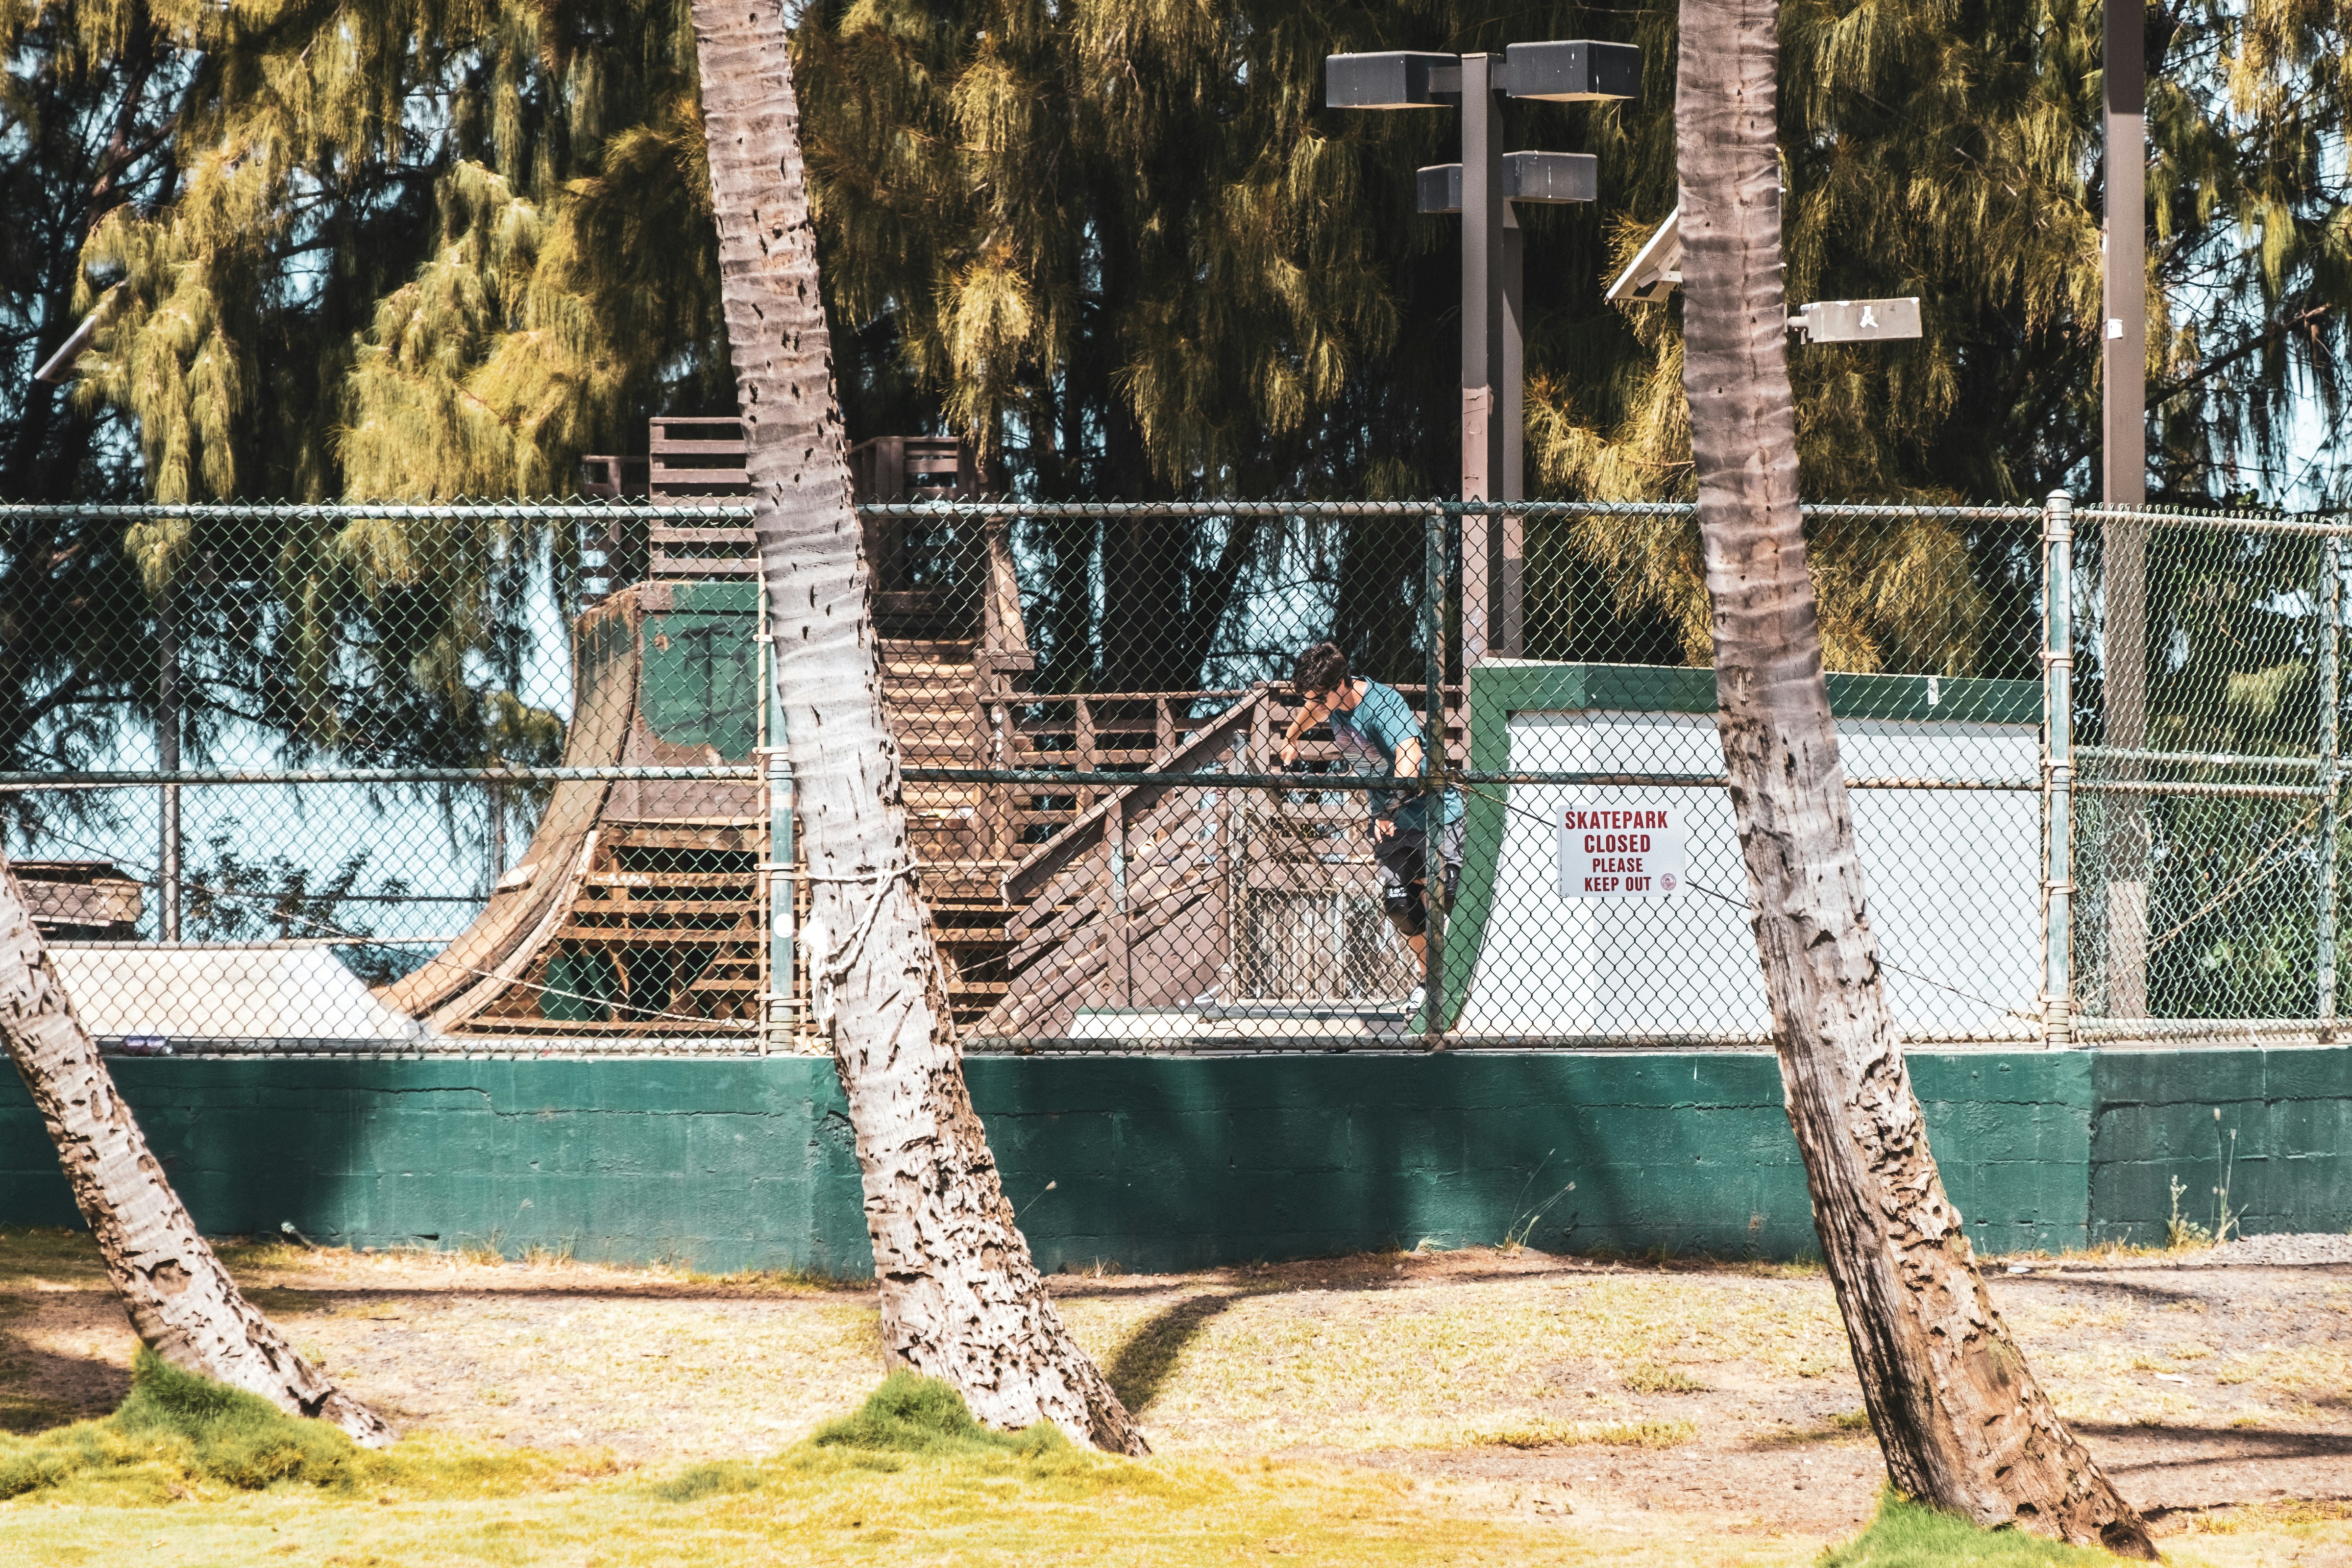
x,y
1858,320
1627,849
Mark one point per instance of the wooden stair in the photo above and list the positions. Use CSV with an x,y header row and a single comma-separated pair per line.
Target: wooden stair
x,y
699,462
662,935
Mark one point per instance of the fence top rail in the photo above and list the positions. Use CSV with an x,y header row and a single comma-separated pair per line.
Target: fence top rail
x,y
2216,521
554,509
551,509
107,778
348,511
2194,759
1280,691
1405,509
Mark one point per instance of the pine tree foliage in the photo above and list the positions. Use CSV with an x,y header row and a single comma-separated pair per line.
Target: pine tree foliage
x,y
1949,150
75,141
1115,239
432,248
414,251
440,246
385,267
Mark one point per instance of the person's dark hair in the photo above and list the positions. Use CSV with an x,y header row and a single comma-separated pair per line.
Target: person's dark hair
x,y
1322,667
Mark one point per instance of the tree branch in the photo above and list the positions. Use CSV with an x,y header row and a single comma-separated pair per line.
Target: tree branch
x,y
2275,329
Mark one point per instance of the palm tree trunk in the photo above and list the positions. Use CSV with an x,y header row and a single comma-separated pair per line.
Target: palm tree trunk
x,y
181,1301
960,1297
1962,1420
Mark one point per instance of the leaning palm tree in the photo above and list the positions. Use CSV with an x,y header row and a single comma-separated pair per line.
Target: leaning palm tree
x,y
961,1300
1962,1420
182,1302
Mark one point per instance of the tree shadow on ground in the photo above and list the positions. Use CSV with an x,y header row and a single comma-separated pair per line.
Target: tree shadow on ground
x,y
2146,1293
41,1389
2236,1443
1139,1369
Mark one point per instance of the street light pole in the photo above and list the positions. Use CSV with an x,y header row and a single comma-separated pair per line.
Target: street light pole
x,y
1482,244
1485,468
1508,541
2124,482
1483,188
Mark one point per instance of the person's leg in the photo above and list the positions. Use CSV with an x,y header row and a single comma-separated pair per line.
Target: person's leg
x,y
1434,895
1418,940
1433,899
1404,891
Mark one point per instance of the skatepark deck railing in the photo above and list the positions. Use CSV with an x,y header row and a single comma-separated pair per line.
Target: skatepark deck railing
x,y
401,777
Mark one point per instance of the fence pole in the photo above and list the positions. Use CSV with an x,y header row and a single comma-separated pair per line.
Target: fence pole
x,y
2331,593
167,758
778,1002
496,807
1432,762
2058,771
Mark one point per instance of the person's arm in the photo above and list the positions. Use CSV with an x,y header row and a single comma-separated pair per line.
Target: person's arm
x,y
1290,736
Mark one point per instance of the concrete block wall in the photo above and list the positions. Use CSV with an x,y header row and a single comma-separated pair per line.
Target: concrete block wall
x,y
2167,1115
1179,1162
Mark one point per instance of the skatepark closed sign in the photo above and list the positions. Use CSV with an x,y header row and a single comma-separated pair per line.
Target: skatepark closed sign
x,y
1633,850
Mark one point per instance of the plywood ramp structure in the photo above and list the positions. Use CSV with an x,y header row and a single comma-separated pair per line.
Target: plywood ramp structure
x,y
636,908
955,666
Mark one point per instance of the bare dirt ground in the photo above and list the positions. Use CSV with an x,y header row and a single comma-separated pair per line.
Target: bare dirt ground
x,y
1641,1397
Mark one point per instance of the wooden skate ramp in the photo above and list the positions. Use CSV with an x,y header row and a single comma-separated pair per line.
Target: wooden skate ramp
x,y
636,909
1126,907
486,956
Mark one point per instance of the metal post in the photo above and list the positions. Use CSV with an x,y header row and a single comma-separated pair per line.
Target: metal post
x,y
495,805
2124,472
2058,771
1118,925
1507,535
1484,210
167,758
777,1001
2331,599
1433,749
2124,343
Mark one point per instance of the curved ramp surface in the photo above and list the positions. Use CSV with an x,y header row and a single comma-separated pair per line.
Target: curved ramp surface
x,y
637,910
492,955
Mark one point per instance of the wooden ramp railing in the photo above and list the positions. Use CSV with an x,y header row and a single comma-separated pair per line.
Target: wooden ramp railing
x,y
1125,907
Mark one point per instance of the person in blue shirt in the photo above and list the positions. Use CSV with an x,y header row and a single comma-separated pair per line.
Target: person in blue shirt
x,y
1378,736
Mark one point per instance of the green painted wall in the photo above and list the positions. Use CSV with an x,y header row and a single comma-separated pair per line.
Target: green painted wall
x,y
2288,1167
699,668
1172,1163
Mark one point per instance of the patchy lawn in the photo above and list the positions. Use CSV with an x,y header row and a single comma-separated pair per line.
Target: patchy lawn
x,y
1472,1406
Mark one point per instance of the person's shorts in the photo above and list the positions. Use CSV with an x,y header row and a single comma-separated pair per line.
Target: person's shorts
x,y
1403,861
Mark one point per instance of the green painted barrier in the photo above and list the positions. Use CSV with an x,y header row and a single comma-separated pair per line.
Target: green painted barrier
x,y
1179,1162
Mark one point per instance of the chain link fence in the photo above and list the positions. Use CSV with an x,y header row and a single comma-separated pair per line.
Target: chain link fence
x,y
2206,712
505,777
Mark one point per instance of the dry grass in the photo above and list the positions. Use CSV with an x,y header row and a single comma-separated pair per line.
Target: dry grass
x,y
860,1509
1566,1435
909,1476
1402,1352
1649,1379
1845,1426
1402,1408
1373,1368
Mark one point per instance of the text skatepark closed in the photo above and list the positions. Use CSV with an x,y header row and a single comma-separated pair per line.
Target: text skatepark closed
x,y
1616,852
